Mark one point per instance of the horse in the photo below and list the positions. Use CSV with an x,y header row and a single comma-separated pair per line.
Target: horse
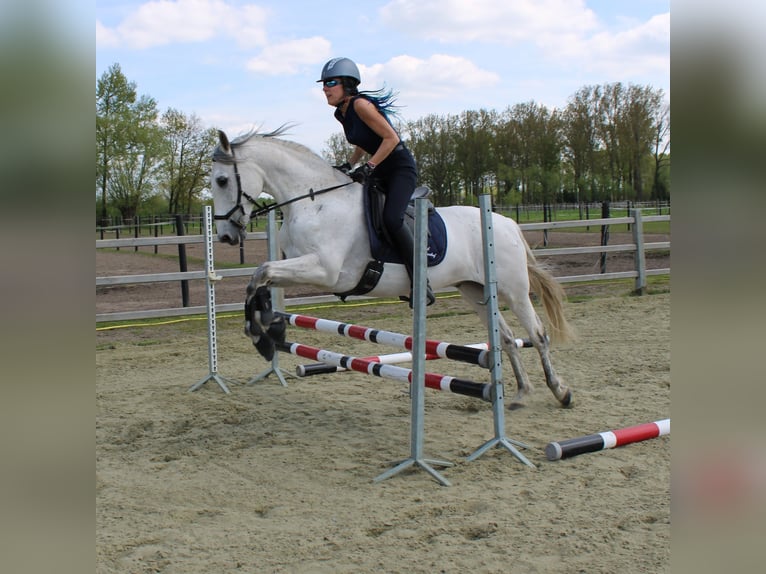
x,y
325,242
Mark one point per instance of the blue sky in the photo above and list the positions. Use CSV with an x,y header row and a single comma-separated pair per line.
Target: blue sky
x,y
239,64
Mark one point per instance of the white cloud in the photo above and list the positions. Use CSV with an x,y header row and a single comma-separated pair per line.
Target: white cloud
x,y
105,37
565,32
162,22
290,57
490,21
438,76
642,49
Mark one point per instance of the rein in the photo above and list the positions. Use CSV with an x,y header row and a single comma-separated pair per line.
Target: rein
x,y
262,208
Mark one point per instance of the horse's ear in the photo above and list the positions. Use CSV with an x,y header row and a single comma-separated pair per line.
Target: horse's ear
x,y
224,141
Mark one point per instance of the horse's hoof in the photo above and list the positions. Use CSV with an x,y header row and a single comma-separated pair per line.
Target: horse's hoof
x,y
277,329
251,326
262,299
265,346
515,405
567,400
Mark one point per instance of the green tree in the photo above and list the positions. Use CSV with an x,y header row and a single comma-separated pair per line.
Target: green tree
x,y
114,97
338,149
184,159
581,139
610,134
432,141
639,111
473,149
128,142
660,153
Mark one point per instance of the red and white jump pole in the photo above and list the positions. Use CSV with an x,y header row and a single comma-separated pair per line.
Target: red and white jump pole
x,y
388,359
433,381
475,354
608,439
441,349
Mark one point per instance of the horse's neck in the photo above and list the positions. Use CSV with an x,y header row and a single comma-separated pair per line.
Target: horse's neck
x,y
288,171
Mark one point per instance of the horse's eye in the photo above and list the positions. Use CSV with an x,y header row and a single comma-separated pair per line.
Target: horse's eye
x,y
222,180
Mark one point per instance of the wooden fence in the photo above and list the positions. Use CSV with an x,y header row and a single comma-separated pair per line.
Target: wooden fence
x,y
635,222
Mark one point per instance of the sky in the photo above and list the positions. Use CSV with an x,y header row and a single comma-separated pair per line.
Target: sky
x,y
244,64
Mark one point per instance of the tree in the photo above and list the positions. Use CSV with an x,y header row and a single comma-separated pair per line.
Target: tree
x,y
660,147
114,96
432,141
338,149
609,110
128,142
581,138
185,155
639,111
474,149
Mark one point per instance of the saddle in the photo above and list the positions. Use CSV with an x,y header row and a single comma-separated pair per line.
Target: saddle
x,y
381,246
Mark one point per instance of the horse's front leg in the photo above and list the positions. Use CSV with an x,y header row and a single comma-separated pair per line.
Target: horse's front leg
x,y
261,325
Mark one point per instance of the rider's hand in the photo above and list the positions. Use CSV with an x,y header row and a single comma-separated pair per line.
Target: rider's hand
x,y
361,173
344,167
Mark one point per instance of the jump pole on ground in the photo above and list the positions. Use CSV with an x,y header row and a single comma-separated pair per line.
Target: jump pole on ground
x,y
609,439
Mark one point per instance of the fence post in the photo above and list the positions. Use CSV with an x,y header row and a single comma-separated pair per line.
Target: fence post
x,y
182,261
604,232
640,255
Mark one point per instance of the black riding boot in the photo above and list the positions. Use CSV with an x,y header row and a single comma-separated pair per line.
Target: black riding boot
x,y
405,245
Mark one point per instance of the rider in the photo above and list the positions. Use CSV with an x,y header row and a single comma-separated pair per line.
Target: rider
x,y
367,126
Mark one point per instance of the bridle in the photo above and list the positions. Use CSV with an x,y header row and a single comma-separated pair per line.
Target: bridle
x,y
238,207
261,208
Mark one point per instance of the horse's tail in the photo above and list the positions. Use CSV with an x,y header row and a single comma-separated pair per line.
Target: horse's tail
x,y
552,295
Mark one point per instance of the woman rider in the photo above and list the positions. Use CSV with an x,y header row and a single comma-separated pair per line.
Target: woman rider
x,y
367,126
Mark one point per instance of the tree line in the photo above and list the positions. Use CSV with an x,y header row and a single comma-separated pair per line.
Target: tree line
x,y
147,162
609,143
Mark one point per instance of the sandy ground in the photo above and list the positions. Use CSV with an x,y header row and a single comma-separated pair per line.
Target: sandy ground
x,y
280,479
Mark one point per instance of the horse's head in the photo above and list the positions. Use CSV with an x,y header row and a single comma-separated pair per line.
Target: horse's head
x,y
231,202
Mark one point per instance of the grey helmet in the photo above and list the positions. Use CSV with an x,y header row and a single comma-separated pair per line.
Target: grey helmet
x,y
340,68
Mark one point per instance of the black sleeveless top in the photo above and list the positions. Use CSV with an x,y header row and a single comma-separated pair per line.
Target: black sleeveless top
x,y
357,132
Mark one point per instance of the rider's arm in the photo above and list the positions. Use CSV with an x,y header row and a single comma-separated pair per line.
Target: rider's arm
x,y
370,115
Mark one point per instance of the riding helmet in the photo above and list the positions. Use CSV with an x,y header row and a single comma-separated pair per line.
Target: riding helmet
x,y
340,68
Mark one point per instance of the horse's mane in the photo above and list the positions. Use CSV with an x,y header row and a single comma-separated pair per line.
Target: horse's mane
x,y
243,139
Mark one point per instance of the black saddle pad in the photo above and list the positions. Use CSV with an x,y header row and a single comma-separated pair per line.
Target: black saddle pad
x,y
381,248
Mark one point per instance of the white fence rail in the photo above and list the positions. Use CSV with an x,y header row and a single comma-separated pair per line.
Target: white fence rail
x,y
637,247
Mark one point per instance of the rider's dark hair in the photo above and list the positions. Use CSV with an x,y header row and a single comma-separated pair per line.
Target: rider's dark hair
x,y
384,99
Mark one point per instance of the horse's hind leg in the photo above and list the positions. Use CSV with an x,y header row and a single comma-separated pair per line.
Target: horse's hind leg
x,y
523,309
473,293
